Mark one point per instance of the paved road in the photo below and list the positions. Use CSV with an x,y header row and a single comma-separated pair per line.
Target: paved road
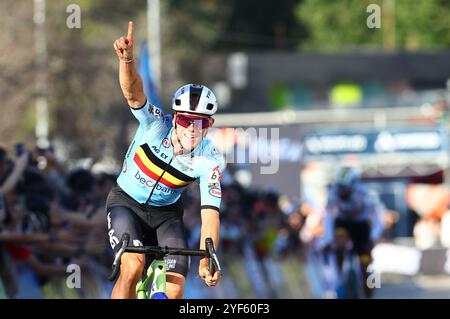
x,y
417,287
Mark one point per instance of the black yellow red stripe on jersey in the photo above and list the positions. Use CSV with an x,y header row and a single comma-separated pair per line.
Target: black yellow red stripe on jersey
x,y
154,167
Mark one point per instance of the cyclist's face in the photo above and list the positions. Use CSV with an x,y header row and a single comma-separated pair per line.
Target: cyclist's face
x,y
193,133
344,192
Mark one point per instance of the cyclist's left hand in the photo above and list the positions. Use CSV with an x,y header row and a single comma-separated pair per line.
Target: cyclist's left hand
x,y
208,278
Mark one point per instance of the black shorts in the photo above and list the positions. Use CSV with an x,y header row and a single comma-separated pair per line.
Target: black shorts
x,y
148,226
359,233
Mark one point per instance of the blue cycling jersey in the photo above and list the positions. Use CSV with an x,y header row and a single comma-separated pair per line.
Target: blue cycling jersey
x,y
360,205
152,175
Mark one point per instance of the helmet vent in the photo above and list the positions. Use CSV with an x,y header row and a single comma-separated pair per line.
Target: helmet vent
x,y
210,106
195,92
177,102
194,100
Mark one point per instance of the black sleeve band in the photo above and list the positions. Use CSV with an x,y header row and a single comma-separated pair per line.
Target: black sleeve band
x,y
210,207
140,107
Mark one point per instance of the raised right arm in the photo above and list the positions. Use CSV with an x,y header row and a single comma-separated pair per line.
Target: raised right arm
x,y
130,81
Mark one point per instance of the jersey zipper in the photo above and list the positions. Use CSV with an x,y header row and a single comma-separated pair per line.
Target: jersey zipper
x,y
131,147
159,178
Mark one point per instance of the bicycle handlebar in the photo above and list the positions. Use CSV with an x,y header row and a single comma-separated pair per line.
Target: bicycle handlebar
x,y
116,264
164,251
213,260
157,250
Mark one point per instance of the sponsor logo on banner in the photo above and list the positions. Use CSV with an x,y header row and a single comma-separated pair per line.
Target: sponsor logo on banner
x,y
337,143
375,142
392,142
166,142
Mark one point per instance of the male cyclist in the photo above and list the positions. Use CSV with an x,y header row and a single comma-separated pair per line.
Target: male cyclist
x,y
353,214
166,155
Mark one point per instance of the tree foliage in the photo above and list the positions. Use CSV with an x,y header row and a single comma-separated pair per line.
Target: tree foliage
x,y
85,101
341,25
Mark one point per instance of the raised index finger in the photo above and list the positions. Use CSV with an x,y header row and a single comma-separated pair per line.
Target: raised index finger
x,y
130,30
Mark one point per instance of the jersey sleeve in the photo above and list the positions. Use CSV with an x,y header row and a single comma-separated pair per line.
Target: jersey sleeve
x,y
210,189
148,114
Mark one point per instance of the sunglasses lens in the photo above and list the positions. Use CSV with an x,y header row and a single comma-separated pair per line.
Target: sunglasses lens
x,y
204,123
185,121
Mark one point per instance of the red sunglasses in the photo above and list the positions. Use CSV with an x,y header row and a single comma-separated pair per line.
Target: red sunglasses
x,y
186,120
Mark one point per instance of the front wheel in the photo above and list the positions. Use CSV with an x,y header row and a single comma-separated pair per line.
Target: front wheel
x,y
159,295
352,281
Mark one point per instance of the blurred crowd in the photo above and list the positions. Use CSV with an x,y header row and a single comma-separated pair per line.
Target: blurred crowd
x,y
52,216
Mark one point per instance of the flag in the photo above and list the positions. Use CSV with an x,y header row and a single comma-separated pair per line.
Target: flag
x,y
145,71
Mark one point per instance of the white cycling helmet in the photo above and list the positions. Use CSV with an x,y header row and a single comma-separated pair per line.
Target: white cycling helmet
x,y
194,98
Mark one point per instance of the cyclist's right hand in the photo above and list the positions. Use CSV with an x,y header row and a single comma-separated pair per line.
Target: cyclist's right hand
x,y
124,45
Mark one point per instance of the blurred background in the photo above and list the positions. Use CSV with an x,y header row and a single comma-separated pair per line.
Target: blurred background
x,y
344,83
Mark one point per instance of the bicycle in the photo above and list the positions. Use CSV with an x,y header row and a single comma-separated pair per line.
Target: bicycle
x,y
345,282
156,272
351,278
351,285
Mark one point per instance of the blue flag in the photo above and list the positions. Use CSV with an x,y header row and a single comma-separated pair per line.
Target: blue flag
x,y
145,71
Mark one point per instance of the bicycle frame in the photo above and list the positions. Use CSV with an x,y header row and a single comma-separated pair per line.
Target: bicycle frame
x,y
156,275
